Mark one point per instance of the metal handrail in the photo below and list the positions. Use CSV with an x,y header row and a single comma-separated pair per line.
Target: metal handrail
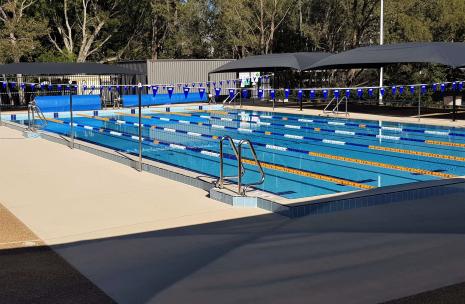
x,y
327,106
31,109
336,108
240,190
232,99
220,181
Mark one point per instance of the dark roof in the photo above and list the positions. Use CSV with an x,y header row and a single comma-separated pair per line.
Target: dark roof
x,y
270,62
444,53
54,68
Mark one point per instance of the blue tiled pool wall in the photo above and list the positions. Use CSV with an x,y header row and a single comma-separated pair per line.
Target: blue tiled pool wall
x,y
190,160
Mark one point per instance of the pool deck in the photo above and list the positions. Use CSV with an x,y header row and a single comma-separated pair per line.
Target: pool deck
x,y
140,238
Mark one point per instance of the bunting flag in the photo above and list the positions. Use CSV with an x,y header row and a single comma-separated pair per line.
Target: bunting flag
x,y
454,86
170,91
193,84
401,90
443,87
4,84
360,93
200,84
84,87
382,91
300,94
273,94
23,86
42,86
460,85
201,93
423,89
186,92
217,92
325,94
228,81
393,90
260,94
348,93
412,90
59,87
154,91
208,84
336,94
370,92
50,87
435,87
244,93
126,88
92,87
13,85
286,93
312,95
221,83
231,93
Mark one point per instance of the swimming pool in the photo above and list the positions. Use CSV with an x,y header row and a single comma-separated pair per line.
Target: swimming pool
x,y
303,156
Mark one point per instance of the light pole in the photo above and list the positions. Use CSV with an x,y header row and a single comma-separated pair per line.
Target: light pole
x,y
381,42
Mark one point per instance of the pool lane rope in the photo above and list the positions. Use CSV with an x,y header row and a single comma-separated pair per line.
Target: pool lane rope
x,y
311,153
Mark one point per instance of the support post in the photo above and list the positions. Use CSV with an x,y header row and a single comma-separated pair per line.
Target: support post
x,y
419,104
301,85
454,105
71,115
239,175
139,93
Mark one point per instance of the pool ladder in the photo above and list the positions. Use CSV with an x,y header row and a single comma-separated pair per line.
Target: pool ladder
x,y
335,110
241,188
33,114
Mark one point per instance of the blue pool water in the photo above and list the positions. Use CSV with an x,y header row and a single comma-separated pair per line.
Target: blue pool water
x,y
302,155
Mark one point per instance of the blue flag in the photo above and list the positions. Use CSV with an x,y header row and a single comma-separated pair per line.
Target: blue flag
x,y
23,86
460,85
245,93
201,93
348,93
360,93
170,91
50,87
4,84
231,93
186,92
286,93
217,92
381,90
336,93
42,86
273,94
312,94
325,94
154,91
423,89
435,87
370,92
260,93
401,90
412,90
443,87
394,90
300,94
454,86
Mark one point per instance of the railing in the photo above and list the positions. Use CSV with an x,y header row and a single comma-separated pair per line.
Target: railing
x,y
241,188
220,182
229,100
335,110
34,111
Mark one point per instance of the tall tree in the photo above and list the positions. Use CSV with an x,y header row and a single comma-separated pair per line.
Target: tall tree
x,y
20,30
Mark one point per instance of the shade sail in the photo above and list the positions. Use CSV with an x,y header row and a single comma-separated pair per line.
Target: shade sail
x,y
444,53
270,62
53,68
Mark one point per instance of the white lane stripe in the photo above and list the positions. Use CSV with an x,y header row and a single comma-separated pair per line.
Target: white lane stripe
x,y
177,147
217,127
135,137
292,127
437,133
88,127
266,116
263,123
194,134
169,130
210,153
344,132
121,122
244,130
164,119
116,133
335,123
276,148
184,122
205,116
304,120
227,119
392,129
388,137
293,136
333,142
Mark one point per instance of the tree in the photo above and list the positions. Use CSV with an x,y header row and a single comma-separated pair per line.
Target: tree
x,y
20,31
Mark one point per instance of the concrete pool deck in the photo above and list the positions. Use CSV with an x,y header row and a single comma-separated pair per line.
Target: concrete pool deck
x,y
141,238
66,195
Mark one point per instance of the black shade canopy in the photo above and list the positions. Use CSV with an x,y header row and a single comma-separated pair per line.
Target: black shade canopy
x,y
448,54
270,62
64,69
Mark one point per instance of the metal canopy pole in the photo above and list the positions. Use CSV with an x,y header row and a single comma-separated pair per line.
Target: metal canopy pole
x,y
140,125
381,42
419,104
71,115
454,106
